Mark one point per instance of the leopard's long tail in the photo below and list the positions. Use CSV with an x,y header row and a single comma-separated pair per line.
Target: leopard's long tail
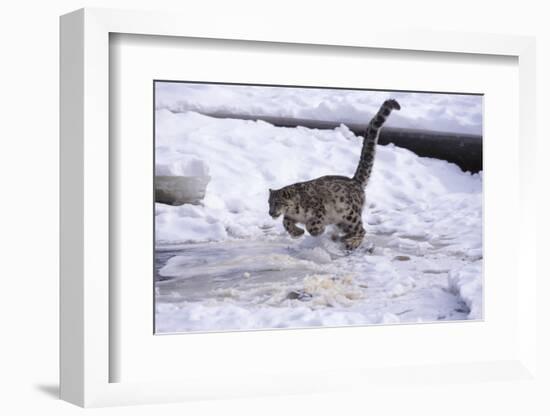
x,y
364,168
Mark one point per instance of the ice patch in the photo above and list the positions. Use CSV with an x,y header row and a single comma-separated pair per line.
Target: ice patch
x,y
178,266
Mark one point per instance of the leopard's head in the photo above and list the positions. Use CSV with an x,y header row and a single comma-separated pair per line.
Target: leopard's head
x,y
279,202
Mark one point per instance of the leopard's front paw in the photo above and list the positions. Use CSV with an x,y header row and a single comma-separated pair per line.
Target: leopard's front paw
x,y
296,233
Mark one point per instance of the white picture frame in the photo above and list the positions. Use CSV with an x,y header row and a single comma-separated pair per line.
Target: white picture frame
x,y
86,355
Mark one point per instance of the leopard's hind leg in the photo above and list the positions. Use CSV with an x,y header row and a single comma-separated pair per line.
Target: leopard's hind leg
x,y
354,240
352,226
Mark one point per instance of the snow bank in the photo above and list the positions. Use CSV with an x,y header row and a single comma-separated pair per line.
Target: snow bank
x,y
441,112
246,158
467,282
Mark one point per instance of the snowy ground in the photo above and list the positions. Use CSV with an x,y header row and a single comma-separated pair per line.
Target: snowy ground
x,y
226,265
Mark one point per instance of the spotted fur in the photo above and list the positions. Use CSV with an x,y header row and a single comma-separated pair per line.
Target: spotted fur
x,y
337,200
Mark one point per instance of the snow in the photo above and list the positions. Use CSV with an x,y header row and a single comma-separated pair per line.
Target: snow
x,y
432,111
466,282
227,265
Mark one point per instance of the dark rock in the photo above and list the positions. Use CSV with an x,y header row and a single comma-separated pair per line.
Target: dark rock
x,y
299,295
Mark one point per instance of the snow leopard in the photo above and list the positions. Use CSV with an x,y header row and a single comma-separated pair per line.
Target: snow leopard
x,y
337,200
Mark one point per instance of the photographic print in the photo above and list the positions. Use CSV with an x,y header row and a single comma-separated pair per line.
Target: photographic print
x,y
299,207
